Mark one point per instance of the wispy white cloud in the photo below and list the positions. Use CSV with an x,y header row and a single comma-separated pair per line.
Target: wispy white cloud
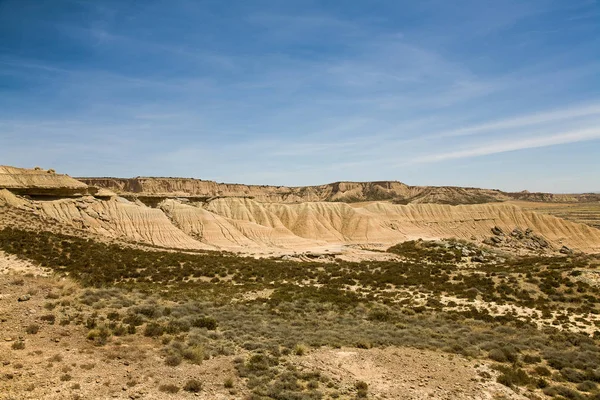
x,y
512,145
527,120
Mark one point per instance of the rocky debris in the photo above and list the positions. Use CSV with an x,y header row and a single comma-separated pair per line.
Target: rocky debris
x,y
497,231
540,241
565,250
518,240
469,252
517,233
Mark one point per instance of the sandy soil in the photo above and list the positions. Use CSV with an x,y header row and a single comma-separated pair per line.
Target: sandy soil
x,y
405,373
60,363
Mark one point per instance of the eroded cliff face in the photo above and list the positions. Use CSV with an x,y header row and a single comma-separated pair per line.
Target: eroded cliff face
x,y
555,198
338,191
245,225
40,182
348,192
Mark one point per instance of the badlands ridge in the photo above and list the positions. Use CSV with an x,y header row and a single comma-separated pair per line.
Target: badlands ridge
x,y
197,214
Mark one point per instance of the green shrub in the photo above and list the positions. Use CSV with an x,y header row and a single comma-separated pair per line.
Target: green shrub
x,y
361,389
193,386
173,359
194,354
18,345
99,335
511,376
363,344
563,391
299,350
169,388
153,329
497,355
530,359
587,386
119,330
205,322
542,371
572,375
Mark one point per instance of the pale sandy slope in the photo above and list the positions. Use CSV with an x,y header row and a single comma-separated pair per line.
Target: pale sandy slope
x,y
247,225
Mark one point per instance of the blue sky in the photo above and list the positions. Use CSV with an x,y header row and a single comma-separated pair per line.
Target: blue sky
x,y
497,94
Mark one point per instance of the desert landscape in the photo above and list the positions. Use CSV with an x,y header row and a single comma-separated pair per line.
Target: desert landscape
x,y
152,288
299,200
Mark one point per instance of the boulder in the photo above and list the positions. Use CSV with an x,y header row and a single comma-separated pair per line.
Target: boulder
x,y
517,233
540,241
565,250
25,297
497,231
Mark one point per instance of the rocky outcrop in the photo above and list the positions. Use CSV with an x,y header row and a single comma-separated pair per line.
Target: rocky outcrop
x,y
40,182
519,240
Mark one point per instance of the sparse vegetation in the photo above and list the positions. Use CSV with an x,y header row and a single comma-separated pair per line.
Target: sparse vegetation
x,y
193,386
18,345
518,312
169,388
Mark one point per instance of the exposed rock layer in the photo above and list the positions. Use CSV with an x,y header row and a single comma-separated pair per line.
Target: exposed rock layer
x,y
39,182
338,191
242,224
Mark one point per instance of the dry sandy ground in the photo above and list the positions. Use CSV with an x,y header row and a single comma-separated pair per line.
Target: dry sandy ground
x,y
12,264
406,373
60,363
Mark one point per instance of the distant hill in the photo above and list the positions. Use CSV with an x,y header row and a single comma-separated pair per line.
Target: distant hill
x,y
348,192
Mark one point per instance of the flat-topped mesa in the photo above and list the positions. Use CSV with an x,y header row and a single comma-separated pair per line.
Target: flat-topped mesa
x,y
189,187
343,191
40,182
555,197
